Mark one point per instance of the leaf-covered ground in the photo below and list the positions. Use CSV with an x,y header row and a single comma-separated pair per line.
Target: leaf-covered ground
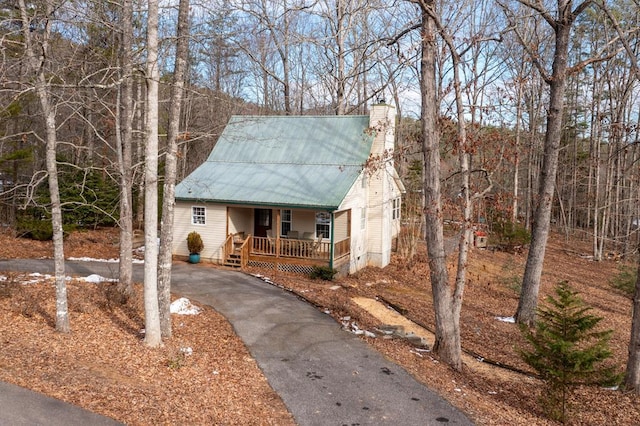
x,y
103,365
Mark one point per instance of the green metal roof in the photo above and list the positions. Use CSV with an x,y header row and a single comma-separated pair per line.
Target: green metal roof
x,y
297,161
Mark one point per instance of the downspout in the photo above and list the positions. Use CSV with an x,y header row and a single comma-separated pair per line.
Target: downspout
x,y
331,246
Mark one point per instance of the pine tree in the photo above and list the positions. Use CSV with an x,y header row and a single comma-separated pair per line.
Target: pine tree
x,y
566,350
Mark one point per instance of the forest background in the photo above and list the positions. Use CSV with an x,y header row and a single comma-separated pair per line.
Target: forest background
x,y
512,115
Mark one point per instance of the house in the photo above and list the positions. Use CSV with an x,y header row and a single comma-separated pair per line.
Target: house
x,y
291,192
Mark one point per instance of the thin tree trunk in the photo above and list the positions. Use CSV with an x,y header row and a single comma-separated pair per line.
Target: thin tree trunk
x,y
166,234
340,58
140,118
152,317
447,340
124,151
516,159
36,65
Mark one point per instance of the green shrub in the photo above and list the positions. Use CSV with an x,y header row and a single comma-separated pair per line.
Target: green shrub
x,y
566,351
194,242
38,229
89,199
323,272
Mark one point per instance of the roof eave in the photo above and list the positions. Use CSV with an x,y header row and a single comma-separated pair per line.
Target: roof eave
x,y
260,204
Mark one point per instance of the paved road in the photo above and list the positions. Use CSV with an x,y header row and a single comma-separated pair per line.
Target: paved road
x,y
324,375
22,407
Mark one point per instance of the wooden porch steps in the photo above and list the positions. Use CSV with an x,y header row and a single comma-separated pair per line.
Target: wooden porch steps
x,y
233,260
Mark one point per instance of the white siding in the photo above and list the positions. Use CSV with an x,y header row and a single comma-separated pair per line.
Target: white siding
x,y
240,220
382,189
377,218
355,200
303,221
213,233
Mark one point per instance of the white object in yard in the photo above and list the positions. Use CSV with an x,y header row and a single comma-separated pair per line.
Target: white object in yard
x,y
183,306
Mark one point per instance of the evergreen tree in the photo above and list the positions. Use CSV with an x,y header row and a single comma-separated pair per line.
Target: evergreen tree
x,y
566,350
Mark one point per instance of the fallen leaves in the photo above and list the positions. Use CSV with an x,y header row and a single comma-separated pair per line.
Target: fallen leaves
x,y
104,366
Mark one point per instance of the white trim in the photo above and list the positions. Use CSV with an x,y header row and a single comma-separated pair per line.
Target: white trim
x,y
203,215
282,221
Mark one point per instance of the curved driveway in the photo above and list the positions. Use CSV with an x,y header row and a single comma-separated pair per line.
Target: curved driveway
x,y
324,375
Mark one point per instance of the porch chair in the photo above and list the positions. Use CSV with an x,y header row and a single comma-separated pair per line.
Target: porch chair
x,y
316,246
271,241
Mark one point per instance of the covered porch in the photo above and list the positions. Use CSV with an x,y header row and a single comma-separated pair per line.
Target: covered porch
x,y
287,239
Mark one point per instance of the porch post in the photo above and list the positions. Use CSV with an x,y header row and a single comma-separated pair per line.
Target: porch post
x,y
331,246
278,224
277,228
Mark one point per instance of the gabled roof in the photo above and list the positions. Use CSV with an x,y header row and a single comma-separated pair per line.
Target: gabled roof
x,y
286,161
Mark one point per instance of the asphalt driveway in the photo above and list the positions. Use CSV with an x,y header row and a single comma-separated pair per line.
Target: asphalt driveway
x,y
324,375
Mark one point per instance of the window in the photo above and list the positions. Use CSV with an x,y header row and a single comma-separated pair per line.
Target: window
x,y
395,208
363,218
323,224
198,215
285,222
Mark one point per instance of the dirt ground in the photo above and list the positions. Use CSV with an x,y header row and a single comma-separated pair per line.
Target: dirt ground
x,y
103,365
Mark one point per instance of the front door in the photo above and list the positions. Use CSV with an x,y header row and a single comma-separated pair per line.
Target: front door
x,y
262,222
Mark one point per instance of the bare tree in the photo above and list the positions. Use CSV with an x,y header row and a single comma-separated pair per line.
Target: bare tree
x,y
166,235
124,141
152,316
447,340
561,21
37,52
632,375
274,33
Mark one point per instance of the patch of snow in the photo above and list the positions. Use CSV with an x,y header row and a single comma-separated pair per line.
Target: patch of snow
x,y
90,259
95,278
183,306
187,351
510,320
3,278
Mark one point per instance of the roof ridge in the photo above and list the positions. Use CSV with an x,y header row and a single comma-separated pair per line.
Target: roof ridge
x,y
300,116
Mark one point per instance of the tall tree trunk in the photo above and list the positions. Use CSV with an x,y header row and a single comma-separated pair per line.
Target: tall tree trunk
x,y
166,234
526,312
124,151
340,58
152,317
447,341
516,148
632,376
37,66
140,118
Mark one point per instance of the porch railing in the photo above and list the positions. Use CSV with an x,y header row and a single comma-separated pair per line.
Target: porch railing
x,y
291,249
342,248
287,247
